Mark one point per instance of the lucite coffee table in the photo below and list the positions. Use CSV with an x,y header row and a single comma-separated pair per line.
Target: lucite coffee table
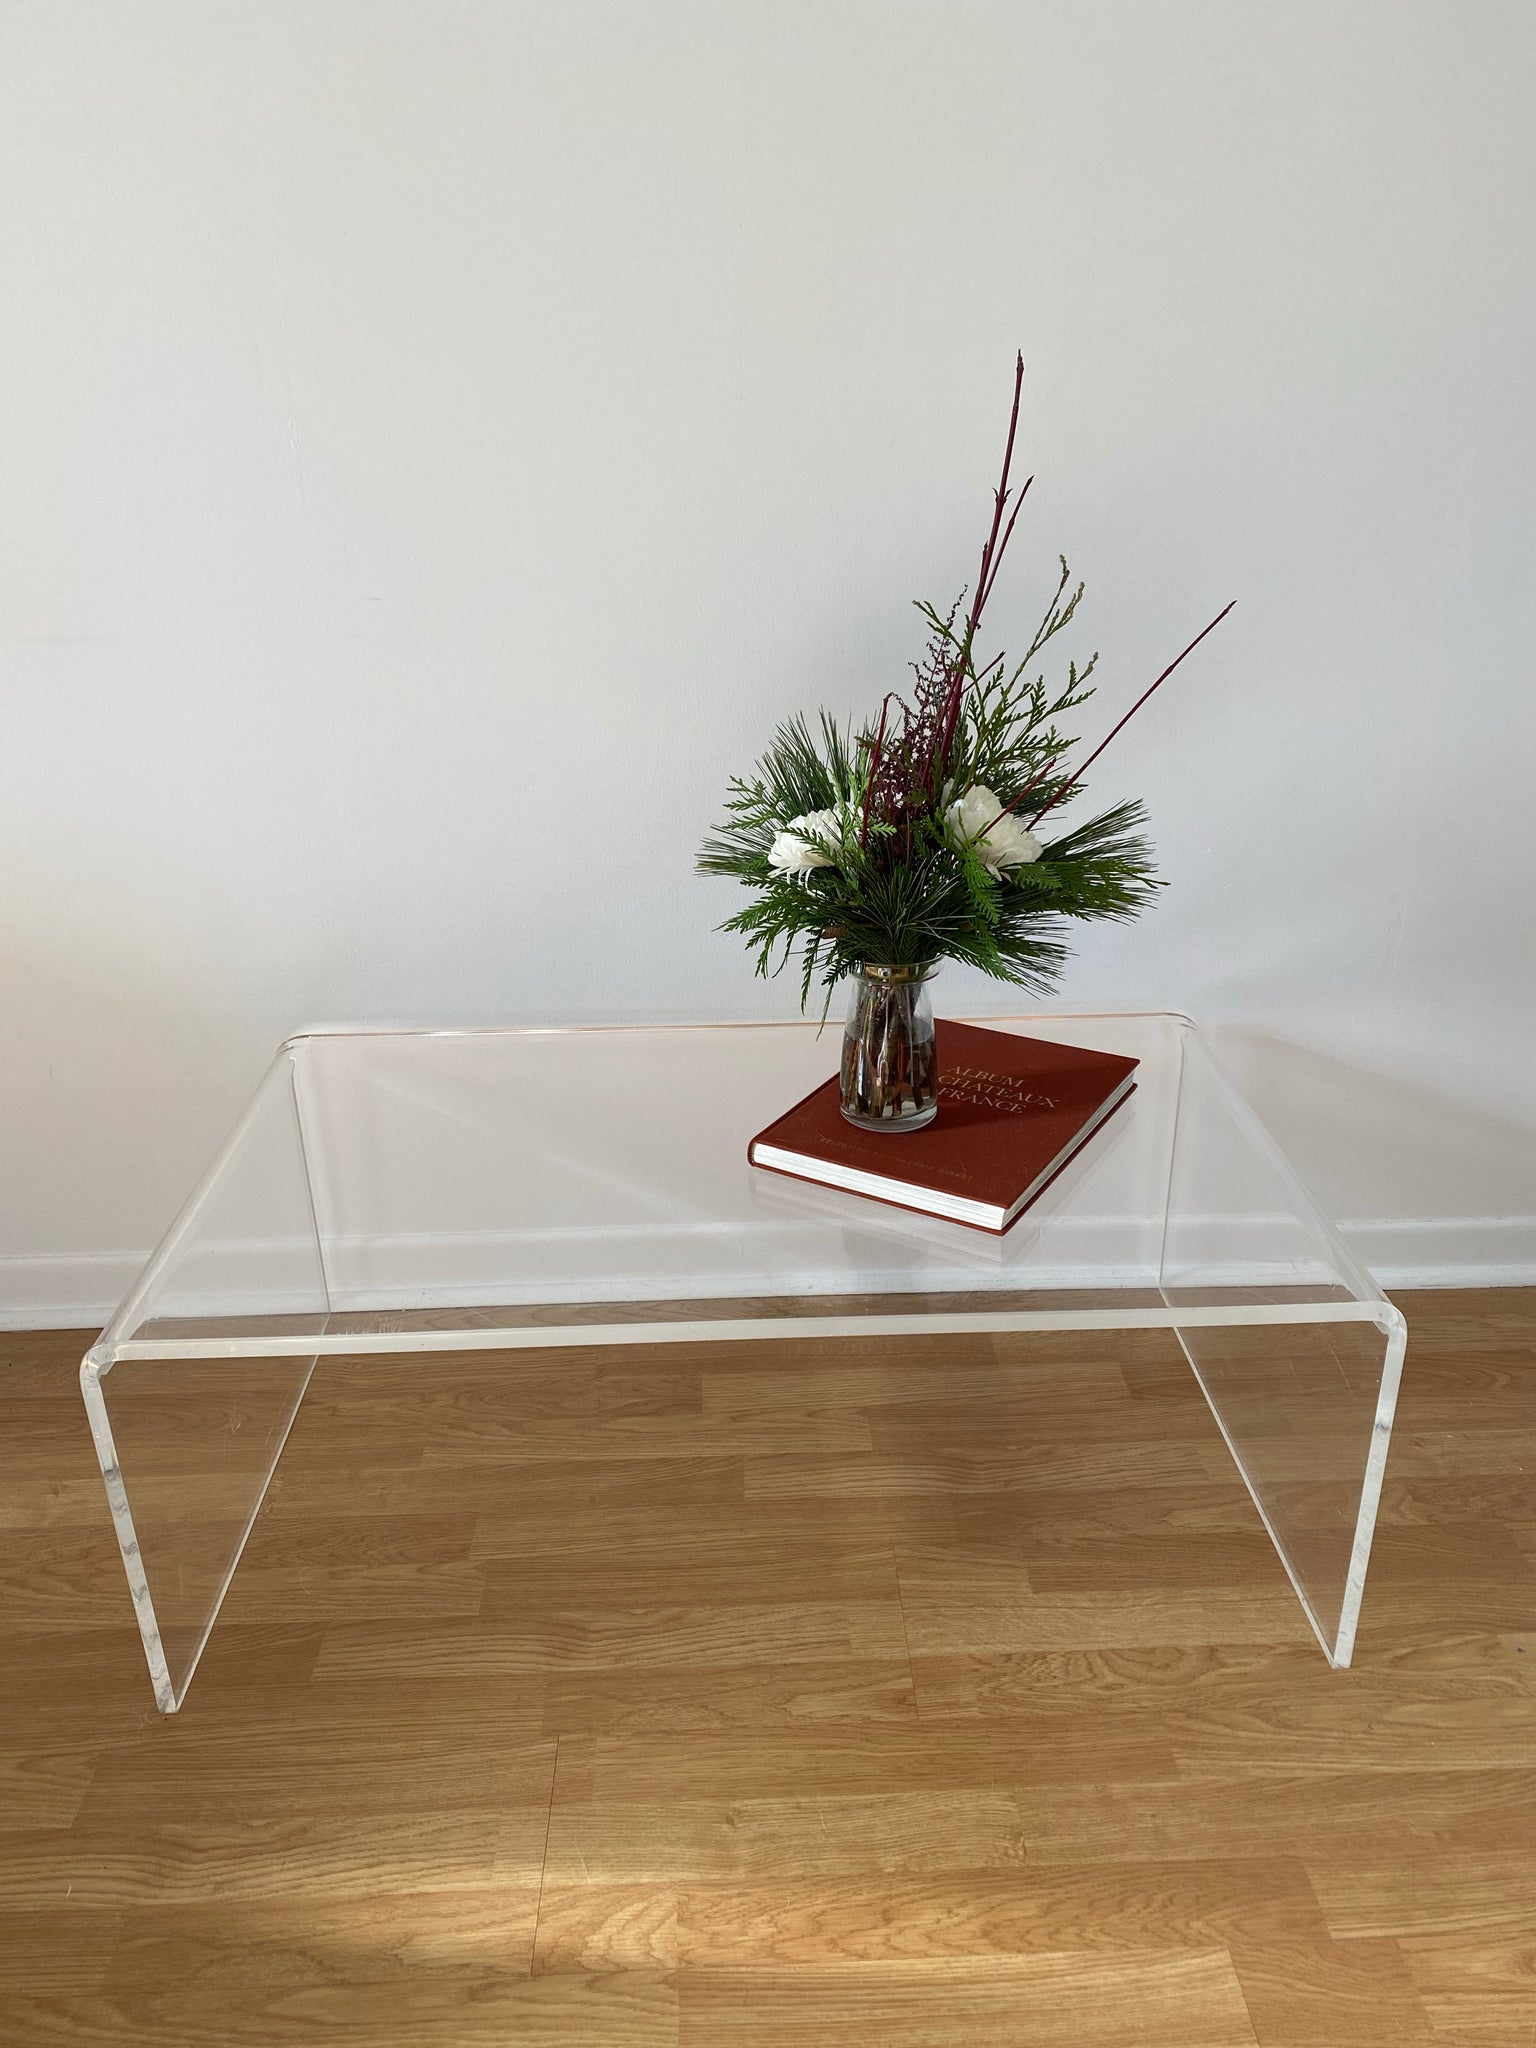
x,y
401,1191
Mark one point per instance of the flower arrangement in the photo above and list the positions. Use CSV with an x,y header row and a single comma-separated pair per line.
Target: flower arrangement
x,y
915,839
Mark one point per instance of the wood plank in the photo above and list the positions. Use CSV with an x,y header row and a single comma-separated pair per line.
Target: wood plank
x,y
891,1831
797,1921
951,1608
1313,1994
1037,1424
322,1480
1408,1812
54,1950
1060,1518
694,1532
716,1697
605,1639
352,1593
975,1470
1124,2001
1476,1893
949,1375
994,1682
41,1788
285,1853
201,1774
827,1432
847,1760
743,1569
361,1542
1267,1688
1483,1975
1467,1552
270,1996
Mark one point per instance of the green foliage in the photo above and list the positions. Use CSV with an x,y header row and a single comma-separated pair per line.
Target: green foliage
x,y
925,893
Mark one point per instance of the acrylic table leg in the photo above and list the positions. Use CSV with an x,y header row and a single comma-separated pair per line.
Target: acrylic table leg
x,y
1306,1410
187,1449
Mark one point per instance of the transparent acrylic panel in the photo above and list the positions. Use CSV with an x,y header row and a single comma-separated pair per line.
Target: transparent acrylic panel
x,y
187,1444
1304,1388
245,1245
397,1190
1306,1412
508,1169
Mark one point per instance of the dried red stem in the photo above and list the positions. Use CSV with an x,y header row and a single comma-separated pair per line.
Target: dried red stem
x,y
1001,500
1103,743
1002,546
1033,783
991,561
874,765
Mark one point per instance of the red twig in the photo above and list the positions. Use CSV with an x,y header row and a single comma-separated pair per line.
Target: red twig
x,y
874,765
1033,783
1001,500
991,561
1103,743
995,663
1002,546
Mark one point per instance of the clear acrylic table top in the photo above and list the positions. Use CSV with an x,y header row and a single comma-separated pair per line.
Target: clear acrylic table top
x,y
390,1191
421,1189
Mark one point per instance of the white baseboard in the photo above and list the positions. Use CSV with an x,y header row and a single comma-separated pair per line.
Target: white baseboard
x,y
65,1290
1446,1251
81,1290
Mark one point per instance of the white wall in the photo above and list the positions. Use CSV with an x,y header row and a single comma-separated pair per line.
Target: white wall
x,y
438,438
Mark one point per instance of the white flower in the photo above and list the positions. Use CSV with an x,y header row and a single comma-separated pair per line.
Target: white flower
x,y
822,826
802,844
998,837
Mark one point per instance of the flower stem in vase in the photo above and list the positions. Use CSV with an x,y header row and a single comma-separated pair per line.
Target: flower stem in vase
x,y
890,1078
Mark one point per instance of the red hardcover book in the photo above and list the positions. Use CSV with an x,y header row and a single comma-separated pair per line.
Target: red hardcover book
x,y
1012,1112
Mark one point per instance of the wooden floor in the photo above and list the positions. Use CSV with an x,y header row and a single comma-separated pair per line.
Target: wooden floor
x,y
871,1695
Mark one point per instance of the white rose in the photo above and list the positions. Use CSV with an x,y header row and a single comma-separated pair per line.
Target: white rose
x,y
802,844
999,839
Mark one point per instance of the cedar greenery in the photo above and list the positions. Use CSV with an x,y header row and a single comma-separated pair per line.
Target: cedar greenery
x,y
896,878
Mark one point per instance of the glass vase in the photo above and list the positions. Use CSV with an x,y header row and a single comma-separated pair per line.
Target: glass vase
x,y
890,1073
